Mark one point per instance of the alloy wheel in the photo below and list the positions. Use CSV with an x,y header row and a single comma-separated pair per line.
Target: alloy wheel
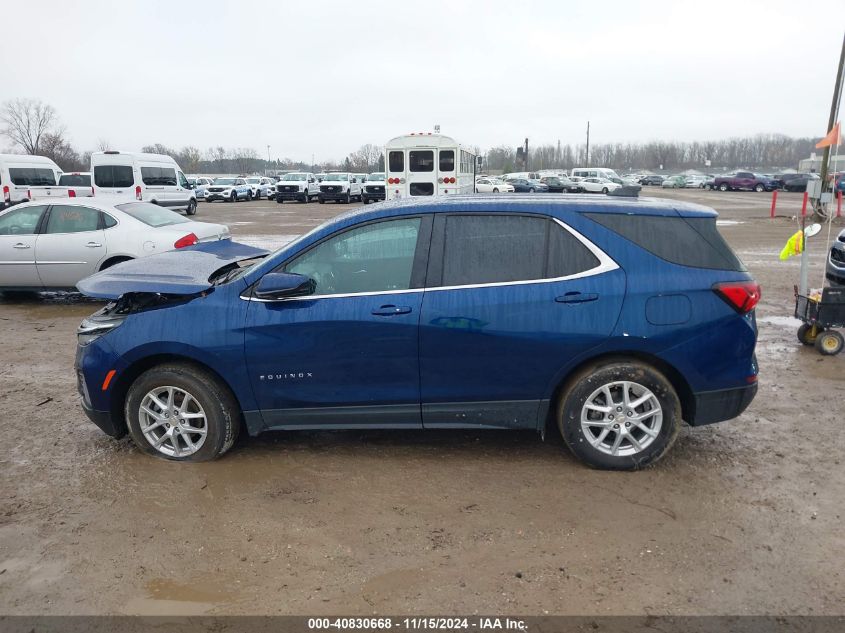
x,y
173,421
621,418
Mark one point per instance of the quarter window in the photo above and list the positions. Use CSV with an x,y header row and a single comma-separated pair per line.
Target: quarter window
x,y
372,258
72,219
21,221
32,176
158,176
421,160
113,176
396,161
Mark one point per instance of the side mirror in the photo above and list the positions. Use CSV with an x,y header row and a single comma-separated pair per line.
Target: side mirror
x,y
189,186
284,285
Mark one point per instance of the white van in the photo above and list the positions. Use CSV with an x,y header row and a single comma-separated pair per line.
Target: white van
x,y
20,173
152,178
596,172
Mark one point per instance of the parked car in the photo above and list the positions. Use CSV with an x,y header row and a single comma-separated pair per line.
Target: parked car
x,y
599,185
559,184
45,246
340,187
798,182
301,186
745,181
78,182
23,177
200,184
653,180
524,185
260,186
493,185
617,344
695,181
228,189
709,182
154,178
374,188
674,182
835,272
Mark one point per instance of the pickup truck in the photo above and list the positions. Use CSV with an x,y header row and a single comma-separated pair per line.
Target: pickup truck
x,y
340,187
745,180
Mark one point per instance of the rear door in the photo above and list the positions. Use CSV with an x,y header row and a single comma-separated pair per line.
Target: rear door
x,y
422,175
71,245
18,234
510,301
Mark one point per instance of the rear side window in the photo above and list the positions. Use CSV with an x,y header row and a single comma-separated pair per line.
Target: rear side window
x,y
694,242
481,249
158,176
32,176
72,219
567,255
113,176
447,160
396,161
75,180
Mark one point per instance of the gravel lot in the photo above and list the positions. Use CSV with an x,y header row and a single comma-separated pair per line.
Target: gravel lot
x,y
741,517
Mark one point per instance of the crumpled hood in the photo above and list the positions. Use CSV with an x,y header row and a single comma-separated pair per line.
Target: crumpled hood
x,y
183,272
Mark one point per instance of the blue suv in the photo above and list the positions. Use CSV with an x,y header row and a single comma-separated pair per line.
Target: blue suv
x,y
612,319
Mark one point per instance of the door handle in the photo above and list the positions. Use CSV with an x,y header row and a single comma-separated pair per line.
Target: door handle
x,y
577,297
93,245
20,245
391,310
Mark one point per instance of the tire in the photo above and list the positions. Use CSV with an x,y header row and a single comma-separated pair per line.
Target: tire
x,y
321,200
495,190
531,190
303,199
829,343
604,190
587,386
279,200
233,197
805,334
347,199
221,416
365,200
759,188
723,186
249,196
192,207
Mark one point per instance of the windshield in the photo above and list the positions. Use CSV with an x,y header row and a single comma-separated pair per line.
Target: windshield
x,y
372,177
253,181
337,177
151,214
295,177
224,181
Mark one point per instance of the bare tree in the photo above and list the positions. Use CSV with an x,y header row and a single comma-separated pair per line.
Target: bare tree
x,y
27,121
57,149
103,145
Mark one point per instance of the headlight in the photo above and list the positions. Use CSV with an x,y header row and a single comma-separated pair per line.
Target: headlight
x,y
96,326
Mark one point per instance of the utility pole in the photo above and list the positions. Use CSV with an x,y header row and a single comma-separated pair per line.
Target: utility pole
x,y
588,145
834,111
525,156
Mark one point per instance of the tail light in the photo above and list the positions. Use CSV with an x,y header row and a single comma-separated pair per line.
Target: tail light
x,y
138,192
189,240
742,296
6,195
71,193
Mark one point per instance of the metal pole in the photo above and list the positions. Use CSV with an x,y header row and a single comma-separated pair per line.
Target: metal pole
x,y
834,108
526,154
588,145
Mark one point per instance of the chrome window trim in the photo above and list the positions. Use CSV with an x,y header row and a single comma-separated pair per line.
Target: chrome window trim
x,y
606,264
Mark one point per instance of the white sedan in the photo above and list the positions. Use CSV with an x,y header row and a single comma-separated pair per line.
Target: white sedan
x,y
492,185
53,245
599,185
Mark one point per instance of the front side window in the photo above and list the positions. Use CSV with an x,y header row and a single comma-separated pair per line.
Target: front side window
x,y
72,219
372,258
21,221
447,160
32,176
113,176
183,182
396,161
421,160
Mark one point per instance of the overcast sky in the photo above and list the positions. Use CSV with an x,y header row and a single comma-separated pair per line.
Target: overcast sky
x,y
326,77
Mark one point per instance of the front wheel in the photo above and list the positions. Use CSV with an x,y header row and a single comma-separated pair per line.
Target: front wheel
x,y
619,415
495,190
181,413
233,197
321,200
192,207
723,187
759,188
249,196
829,343
807,334
604,190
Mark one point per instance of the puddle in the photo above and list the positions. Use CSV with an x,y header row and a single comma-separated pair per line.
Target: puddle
x,y
270,242
167,597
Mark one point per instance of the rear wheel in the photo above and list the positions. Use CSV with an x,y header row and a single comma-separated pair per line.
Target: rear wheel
x,y
619,415
604,190
807,334
181,413
495,190
829,342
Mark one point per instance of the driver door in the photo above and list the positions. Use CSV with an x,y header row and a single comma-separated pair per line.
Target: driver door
x,y
348,355
18,233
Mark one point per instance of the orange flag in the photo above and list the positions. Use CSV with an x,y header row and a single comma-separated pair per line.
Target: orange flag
x,y
832,138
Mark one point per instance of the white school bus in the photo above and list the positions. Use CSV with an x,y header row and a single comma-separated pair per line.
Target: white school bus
x,y
426,164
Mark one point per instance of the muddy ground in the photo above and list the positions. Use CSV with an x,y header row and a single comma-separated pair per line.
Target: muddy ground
x,y
741,517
